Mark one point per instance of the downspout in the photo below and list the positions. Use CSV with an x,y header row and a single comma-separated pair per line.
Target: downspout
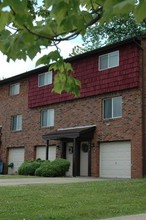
x,y
0,134
74,157
47,149
143,108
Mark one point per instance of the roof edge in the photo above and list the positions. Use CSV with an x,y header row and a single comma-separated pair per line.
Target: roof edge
x,y
86,126
70,59
107,47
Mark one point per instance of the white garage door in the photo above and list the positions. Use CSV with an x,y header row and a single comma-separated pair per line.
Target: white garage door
x,y
41,153
15,156
115,159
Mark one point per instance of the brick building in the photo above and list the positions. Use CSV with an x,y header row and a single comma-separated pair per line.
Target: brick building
x,y
102,132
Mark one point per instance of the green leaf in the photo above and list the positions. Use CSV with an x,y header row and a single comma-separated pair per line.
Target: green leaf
x,y
68,67
140,11
19,6
4,19
43,60
124,6
59,82
63,80
47,3
33,50
55,55
59,11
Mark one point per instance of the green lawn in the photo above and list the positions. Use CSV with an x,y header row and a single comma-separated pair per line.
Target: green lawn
x,y
77,201
16,177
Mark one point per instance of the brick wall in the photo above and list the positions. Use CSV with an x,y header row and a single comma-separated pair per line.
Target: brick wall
x,y
129,127
11,106
85,111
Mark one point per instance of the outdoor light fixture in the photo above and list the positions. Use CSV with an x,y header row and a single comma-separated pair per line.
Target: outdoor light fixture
x,y
92,145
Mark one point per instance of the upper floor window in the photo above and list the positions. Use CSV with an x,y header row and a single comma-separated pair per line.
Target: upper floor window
x,y
16,123
109,60
45,79
15,89
47,118
112,107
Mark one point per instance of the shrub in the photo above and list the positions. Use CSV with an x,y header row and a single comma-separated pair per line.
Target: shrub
x,y
55,168
61,165
29,167
42,169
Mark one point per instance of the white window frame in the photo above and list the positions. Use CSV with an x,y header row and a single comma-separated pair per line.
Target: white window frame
x,y
18,126
47,79
109,55
112,108
50,118
14,89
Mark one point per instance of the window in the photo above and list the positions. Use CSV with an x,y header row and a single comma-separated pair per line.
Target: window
x,y
14,89
45,79
16,123
109,60
113,107
47,118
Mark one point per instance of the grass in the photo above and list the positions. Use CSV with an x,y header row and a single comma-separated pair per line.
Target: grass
x,y
76,201
16,177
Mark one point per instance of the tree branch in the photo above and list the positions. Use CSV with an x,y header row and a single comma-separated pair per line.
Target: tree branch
x,y
73,34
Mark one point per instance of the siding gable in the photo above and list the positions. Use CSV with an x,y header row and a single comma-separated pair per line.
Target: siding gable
x,y
93,81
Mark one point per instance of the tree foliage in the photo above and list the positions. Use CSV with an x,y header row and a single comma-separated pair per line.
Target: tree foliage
x,y
118,29
114,30
28,26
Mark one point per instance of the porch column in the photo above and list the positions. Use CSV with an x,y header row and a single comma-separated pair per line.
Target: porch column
x,y
63,150
47,149
89,159
74,158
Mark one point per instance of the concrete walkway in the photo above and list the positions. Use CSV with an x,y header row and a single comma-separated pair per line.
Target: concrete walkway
x,y
129,217
36,180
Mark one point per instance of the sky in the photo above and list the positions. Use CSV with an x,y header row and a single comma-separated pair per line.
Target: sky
x,y
19,66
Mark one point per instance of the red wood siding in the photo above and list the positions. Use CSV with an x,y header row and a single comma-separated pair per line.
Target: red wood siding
x,y
93,82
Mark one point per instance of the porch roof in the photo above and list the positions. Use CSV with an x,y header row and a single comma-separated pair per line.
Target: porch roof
x,y
71,133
